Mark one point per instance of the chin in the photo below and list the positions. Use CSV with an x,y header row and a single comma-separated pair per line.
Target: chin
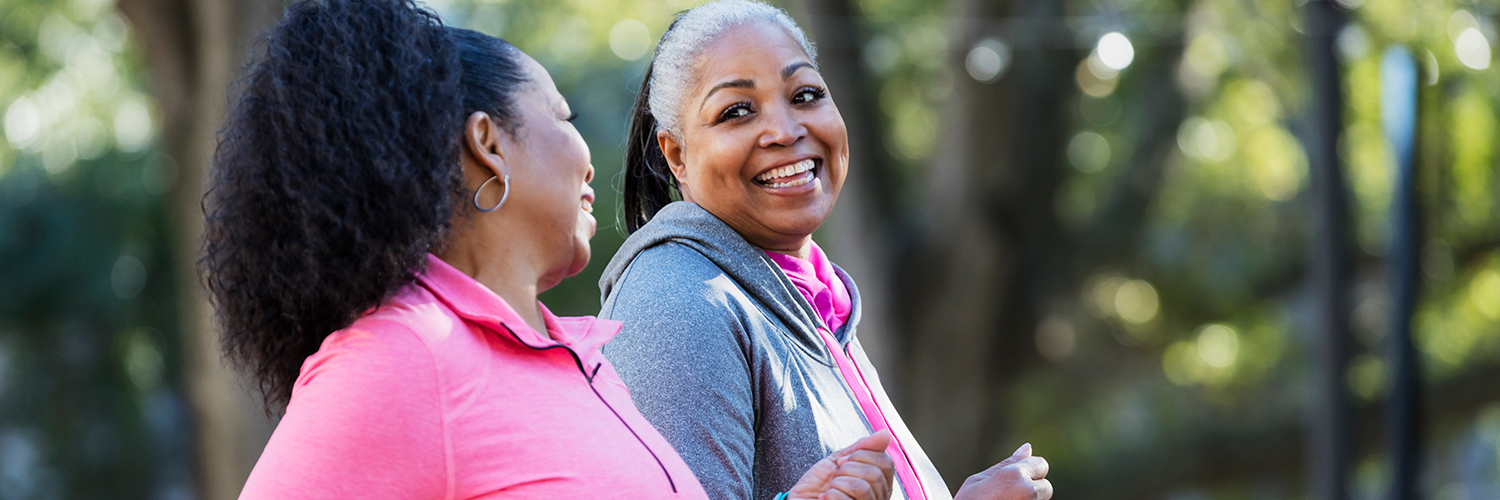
x,y
580,260
801,220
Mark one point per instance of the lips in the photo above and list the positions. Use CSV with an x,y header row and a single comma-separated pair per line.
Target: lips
x,y
792,175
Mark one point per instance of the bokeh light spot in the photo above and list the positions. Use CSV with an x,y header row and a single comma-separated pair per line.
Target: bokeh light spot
x,y
128,277
1366,376
988,60
881,54
1136,302
1088,152
23,122
1094,78
629,39
143,361
133,129
1115,51
1484,293
1218,345
1472,49
1055,338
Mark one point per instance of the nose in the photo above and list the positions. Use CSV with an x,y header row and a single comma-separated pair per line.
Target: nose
x,y
782,128
588,191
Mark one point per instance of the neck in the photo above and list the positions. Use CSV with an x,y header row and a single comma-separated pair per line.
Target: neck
x,y
800,248
504,271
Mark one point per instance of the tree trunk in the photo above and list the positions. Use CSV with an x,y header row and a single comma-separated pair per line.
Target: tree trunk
x,y
194,48
991,235
1331,412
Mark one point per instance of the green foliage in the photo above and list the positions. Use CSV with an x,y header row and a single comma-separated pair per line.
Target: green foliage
x,y
90,358
1181,341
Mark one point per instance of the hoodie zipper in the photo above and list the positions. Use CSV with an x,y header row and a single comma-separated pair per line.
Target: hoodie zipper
x,y
590,378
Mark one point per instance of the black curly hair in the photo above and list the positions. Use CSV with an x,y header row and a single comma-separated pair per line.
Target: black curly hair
x,y
338,170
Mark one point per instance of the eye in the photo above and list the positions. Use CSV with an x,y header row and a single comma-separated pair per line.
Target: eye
x,y
806,95
572,117
739,110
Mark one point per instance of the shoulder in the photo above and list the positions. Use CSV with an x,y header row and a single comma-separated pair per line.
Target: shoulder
x,y
373,356
369,396
676,277
401,346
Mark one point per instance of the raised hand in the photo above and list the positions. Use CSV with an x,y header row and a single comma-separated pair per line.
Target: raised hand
x,y
1020,477
861,471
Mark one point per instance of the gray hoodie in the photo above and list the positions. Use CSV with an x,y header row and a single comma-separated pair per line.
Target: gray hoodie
x,y
721,353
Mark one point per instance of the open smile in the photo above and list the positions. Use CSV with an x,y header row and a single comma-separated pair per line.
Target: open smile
x,y
787,176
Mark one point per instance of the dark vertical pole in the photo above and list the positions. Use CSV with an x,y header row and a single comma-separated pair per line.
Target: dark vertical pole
x,y
1332,416
1398,115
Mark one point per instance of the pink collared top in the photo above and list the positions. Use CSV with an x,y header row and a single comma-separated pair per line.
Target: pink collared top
x,y
818,283
444,392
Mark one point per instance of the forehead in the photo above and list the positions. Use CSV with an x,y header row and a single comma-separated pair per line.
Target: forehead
x,y
539,81
751,51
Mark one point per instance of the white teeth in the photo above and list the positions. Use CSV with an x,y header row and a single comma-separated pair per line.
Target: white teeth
x,y
588,207
800,181
787,171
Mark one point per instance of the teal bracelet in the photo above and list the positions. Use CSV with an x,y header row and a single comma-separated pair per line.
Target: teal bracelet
x,y
780,496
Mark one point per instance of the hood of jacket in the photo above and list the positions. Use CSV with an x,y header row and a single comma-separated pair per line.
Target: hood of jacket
x,y
688,224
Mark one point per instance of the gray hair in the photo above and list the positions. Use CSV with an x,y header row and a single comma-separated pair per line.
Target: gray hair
x,y
672,73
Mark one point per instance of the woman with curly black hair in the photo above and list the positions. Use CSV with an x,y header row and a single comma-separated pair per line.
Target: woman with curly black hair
x,y
388,198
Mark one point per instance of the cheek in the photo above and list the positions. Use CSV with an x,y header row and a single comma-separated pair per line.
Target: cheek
x,y
830,130
717,163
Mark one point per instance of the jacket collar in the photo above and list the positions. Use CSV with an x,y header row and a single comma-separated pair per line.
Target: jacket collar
x,y
693,226
477,304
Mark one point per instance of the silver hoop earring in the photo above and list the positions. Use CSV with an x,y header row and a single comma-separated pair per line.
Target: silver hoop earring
x,y
502,196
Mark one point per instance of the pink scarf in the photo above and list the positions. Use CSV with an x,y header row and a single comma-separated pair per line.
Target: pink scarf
x,y
819,284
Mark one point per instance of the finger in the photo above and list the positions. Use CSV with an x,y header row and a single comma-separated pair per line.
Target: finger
x,y
878,441
834,495
865,472
879,459
1034,467
853,487
1021,453
1043,489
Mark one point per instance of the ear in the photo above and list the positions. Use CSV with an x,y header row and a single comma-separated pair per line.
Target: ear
x,y
672,150
483,142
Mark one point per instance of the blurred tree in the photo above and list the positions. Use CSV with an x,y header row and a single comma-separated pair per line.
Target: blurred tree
x,y
91,404
1094,242
194,49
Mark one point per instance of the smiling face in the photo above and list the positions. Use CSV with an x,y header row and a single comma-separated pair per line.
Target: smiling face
x,y
550,204
762,145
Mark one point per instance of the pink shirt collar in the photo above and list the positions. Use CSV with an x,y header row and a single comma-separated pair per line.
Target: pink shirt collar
x,y
819,284
474,302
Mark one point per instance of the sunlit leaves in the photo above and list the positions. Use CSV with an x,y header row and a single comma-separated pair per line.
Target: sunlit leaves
x,y
1473,142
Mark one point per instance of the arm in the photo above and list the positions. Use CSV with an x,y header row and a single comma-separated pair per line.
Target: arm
x,y
683,355
363,422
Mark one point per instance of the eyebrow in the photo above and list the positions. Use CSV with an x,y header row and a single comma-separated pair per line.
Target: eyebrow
x,y
742,83
791,69
739,83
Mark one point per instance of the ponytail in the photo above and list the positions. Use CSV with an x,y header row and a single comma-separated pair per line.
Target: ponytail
x,y
337,172
649,183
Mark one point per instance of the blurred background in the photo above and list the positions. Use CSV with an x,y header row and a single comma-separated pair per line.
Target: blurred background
x,y
1189,249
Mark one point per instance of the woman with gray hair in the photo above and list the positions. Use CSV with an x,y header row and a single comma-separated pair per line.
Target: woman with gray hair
x,y
740,336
